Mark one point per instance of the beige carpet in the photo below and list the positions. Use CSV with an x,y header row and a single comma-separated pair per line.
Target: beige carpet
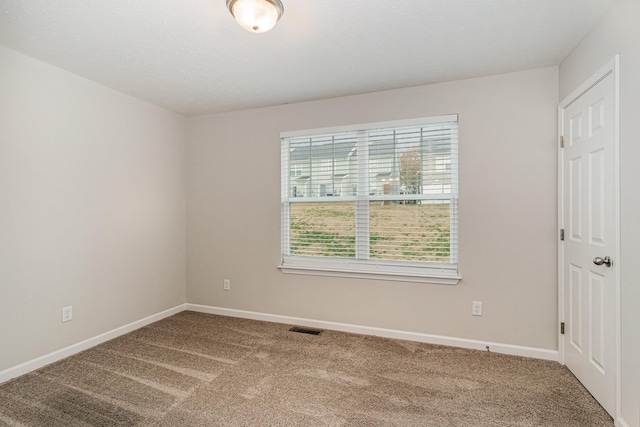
x,y
195,369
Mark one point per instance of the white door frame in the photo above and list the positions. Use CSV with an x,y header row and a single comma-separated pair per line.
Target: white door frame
x,y
611,67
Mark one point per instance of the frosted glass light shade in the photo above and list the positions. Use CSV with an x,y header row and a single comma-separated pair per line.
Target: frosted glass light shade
x,y
257,16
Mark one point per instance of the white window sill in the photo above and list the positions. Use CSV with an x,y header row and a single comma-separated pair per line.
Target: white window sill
x,y
399,276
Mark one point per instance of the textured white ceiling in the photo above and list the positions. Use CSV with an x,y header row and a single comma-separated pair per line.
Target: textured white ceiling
x,y
192,58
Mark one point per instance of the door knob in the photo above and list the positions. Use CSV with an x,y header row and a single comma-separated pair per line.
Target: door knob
x,y
599,261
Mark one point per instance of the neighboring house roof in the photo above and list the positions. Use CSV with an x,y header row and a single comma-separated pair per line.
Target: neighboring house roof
x,y
343,150
325,151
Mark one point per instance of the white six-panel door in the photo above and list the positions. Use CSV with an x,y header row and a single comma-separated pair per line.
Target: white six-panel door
x,y
589,219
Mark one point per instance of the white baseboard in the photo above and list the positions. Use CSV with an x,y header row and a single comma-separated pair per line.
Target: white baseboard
x,y
620,422
39,362
514,350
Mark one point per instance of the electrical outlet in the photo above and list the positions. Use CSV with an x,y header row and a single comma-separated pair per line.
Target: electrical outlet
x,y
67,314
476,308
227,285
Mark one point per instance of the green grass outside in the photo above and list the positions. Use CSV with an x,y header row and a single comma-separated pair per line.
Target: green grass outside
x,y
328,229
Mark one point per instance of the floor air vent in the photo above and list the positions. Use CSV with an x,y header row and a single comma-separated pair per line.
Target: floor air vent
x,y
306,330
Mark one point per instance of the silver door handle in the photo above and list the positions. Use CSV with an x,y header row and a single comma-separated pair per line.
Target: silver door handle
x,y
606,261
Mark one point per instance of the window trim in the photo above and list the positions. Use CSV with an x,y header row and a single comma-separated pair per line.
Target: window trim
x,y
368,126
362,269
435,273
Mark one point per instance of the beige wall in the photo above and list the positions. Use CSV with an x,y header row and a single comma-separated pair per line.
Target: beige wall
x,y
619,33
92,208
508,211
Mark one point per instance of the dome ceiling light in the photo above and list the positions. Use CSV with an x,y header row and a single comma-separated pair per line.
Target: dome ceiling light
x,y
257,16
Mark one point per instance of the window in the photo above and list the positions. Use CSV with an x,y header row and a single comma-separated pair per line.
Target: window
x,y
377,201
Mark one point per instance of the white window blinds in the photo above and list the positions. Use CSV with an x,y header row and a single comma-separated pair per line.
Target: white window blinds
x,y
376,198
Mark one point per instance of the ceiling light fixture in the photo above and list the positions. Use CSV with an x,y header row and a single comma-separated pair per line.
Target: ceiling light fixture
x,y
257,16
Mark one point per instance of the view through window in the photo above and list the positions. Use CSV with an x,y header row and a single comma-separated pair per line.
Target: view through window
x,y
380,195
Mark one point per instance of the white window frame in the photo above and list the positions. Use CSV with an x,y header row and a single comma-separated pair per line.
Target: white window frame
x,y
424,272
